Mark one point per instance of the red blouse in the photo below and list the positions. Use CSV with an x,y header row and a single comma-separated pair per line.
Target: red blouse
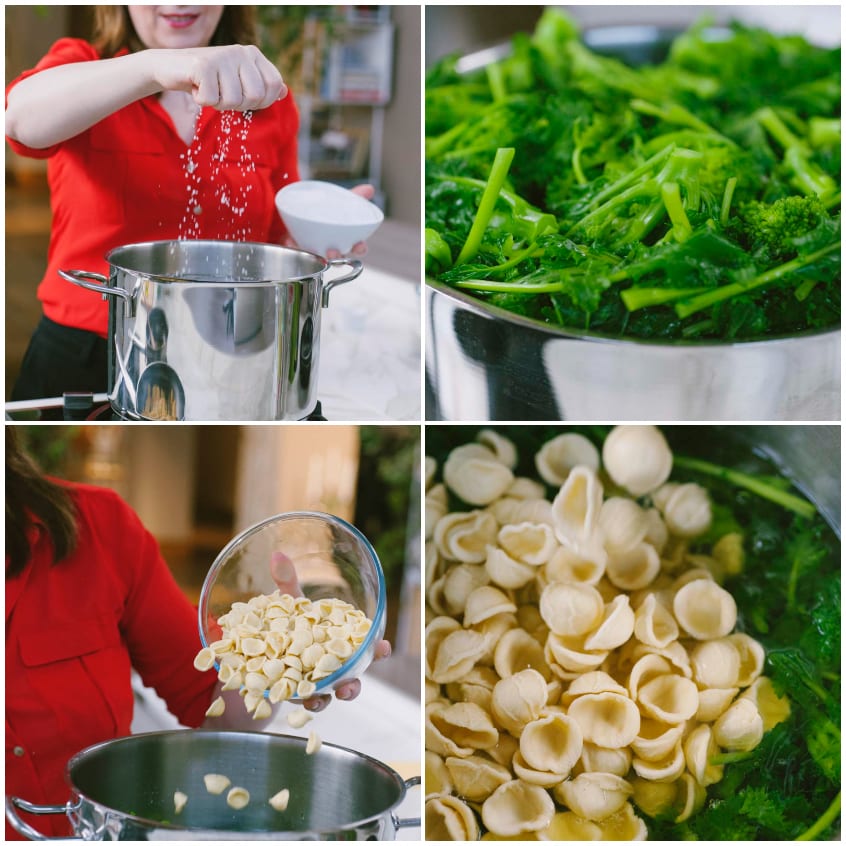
x,y
73,631
130,178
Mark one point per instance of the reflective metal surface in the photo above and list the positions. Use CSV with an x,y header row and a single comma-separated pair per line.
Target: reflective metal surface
x,y
238,324
123,790
483,363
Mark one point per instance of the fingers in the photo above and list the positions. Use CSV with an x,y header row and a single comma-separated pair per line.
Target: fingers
x,y
383,650
367,191
348,690
235,77
315,704
283,573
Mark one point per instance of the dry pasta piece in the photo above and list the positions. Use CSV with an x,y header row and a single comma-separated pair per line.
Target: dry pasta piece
x,y
505,571
516,808
594,796
475,778
436,775
606,719
502,448
571,609
279,801
669,698
518,700
654,624
299,718
531,543
216,783
473,472
485,602
774,709
517,650
740,727
616,626
656,739
448,818
699,748
704,609
623,523
552,744
238,798
635,568
575,509
216,708
559,456
570,826
687,511
314,743
180,800
637,458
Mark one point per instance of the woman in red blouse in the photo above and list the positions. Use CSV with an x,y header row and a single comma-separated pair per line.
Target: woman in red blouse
x,y
171,124
88,598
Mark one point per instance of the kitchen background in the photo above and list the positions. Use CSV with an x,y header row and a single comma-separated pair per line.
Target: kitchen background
x,y
196,487
355,71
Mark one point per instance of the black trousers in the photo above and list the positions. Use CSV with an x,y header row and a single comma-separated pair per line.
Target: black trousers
x,y
61,359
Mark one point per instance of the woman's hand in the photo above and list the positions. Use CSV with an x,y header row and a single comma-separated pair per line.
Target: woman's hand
x,y
359,249
283,573
232,77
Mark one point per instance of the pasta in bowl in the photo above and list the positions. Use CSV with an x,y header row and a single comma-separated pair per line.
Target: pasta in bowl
x,y
601,659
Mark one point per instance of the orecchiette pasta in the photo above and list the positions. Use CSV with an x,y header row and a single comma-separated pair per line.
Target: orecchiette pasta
x,y
594,796
516,807
637,458
559,456
275,646
581,657
448,818
476,475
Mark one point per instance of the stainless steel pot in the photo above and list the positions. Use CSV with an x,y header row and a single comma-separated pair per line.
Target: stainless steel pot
x,y
483,363
213,330
123,790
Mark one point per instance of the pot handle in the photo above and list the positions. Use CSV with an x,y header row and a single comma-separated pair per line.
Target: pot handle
x,y
410,822
355,271
25,829
100,285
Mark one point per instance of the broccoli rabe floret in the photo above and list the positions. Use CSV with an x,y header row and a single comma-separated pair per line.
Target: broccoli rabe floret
x,y
771,230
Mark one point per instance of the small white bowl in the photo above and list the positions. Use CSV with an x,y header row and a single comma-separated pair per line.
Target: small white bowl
x,y
322,216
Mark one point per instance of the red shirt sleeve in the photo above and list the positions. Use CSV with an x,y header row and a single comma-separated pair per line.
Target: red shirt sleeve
x,y
74,630
64,52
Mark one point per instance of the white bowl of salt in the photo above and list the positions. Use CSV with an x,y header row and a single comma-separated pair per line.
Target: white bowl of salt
x,y
322,216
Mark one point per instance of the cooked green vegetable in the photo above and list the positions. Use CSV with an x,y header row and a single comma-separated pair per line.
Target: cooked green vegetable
x,y
670,201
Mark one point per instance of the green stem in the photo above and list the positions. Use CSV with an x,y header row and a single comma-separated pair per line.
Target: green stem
x,y
496,81
829,816
730,758
803,291
510,287
671,197
637,298
728,194
499,172
726,292
794,503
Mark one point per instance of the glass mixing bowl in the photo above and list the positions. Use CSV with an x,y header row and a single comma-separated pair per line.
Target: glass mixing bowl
x,y
332,559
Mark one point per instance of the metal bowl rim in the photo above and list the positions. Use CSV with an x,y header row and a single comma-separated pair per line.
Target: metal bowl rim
x,y
493,312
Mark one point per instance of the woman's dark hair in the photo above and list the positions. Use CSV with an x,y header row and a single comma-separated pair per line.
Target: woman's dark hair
x,y
113,29
30,495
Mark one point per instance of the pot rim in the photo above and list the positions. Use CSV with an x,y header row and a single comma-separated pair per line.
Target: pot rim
x,y
80,796
495,312
180,280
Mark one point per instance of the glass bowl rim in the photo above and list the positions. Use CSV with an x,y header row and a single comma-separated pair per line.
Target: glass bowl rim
x,y
381,600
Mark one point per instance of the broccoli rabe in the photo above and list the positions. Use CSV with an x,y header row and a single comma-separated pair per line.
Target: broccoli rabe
x,y
660,201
